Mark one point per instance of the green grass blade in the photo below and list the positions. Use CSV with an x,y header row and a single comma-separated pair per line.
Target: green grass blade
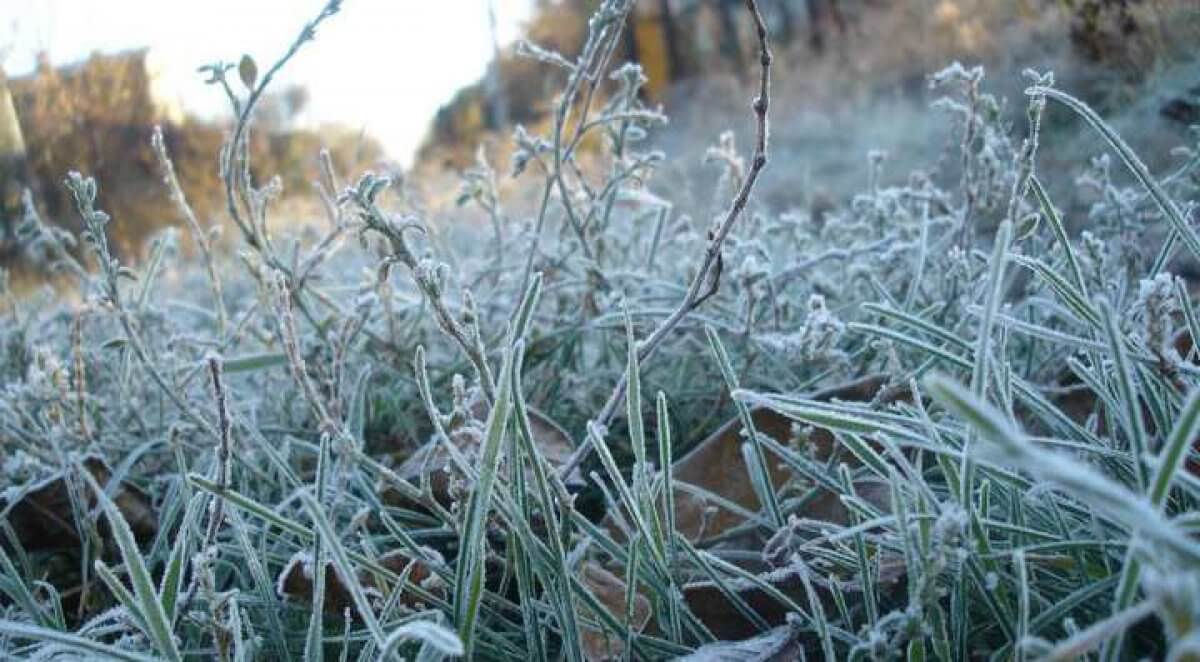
x,y
983,353
1168,208
254,362
1127,387
342,565
470,573
122,594
172,579
1179,442
86,648
157,621
1060,233
756,462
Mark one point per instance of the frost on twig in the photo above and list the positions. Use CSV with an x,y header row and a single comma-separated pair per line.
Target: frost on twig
x,y
708,276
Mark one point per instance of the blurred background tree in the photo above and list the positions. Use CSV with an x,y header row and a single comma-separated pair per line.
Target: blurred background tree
x,y
854,48
97,116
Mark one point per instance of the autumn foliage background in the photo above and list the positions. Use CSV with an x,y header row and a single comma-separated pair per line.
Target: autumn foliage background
x,y
605,373
837,59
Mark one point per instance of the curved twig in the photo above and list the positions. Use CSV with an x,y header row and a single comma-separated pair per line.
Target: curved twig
x,y
707,279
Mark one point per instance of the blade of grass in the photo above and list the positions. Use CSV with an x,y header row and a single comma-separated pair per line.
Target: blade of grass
x,y
756,462
1178,223
983,355
1060,233
470,572
342,565
81,645
172,579
1130,404
122,594
157,621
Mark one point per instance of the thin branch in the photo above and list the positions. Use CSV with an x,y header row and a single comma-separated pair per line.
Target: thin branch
x,y
427,276
223,470
603,36
198,234
238,149
707,279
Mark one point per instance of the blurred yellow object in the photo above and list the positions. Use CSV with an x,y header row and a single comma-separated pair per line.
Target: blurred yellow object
x,y
652,53
12,143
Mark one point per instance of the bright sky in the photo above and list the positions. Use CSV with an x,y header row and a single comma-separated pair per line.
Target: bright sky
x,y
381,65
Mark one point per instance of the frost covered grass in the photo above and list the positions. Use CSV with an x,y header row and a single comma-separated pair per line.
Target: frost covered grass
x,y
962,427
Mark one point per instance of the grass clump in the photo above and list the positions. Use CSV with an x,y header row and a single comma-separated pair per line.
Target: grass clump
x,y
964,432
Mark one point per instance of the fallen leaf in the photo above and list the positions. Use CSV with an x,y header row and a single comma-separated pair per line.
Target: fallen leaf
x,y
609,591
41,514
295,581
719,614
430,460
716,466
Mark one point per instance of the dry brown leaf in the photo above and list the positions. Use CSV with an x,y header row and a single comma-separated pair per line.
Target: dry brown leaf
x,y
782,644
609,591
295,582
716,466
42,518
551,439
721,616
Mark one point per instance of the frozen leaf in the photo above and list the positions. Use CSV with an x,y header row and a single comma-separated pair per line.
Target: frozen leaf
x,y
430,460
295,582
716,465
610,590
42,517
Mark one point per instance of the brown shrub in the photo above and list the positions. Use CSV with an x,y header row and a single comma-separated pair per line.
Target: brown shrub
x,y
97,117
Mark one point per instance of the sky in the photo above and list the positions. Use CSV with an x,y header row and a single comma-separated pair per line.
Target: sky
x,y
383,66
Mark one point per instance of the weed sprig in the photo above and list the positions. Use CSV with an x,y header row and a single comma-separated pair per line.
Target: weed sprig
x,y
963,425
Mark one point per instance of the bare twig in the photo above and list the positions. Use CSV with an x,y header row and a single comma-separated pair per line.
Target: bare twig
x,y
247,205
80,376
707,279
427,276
224,444
198,234
603,35
296,363
223,470
237,151
94,220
